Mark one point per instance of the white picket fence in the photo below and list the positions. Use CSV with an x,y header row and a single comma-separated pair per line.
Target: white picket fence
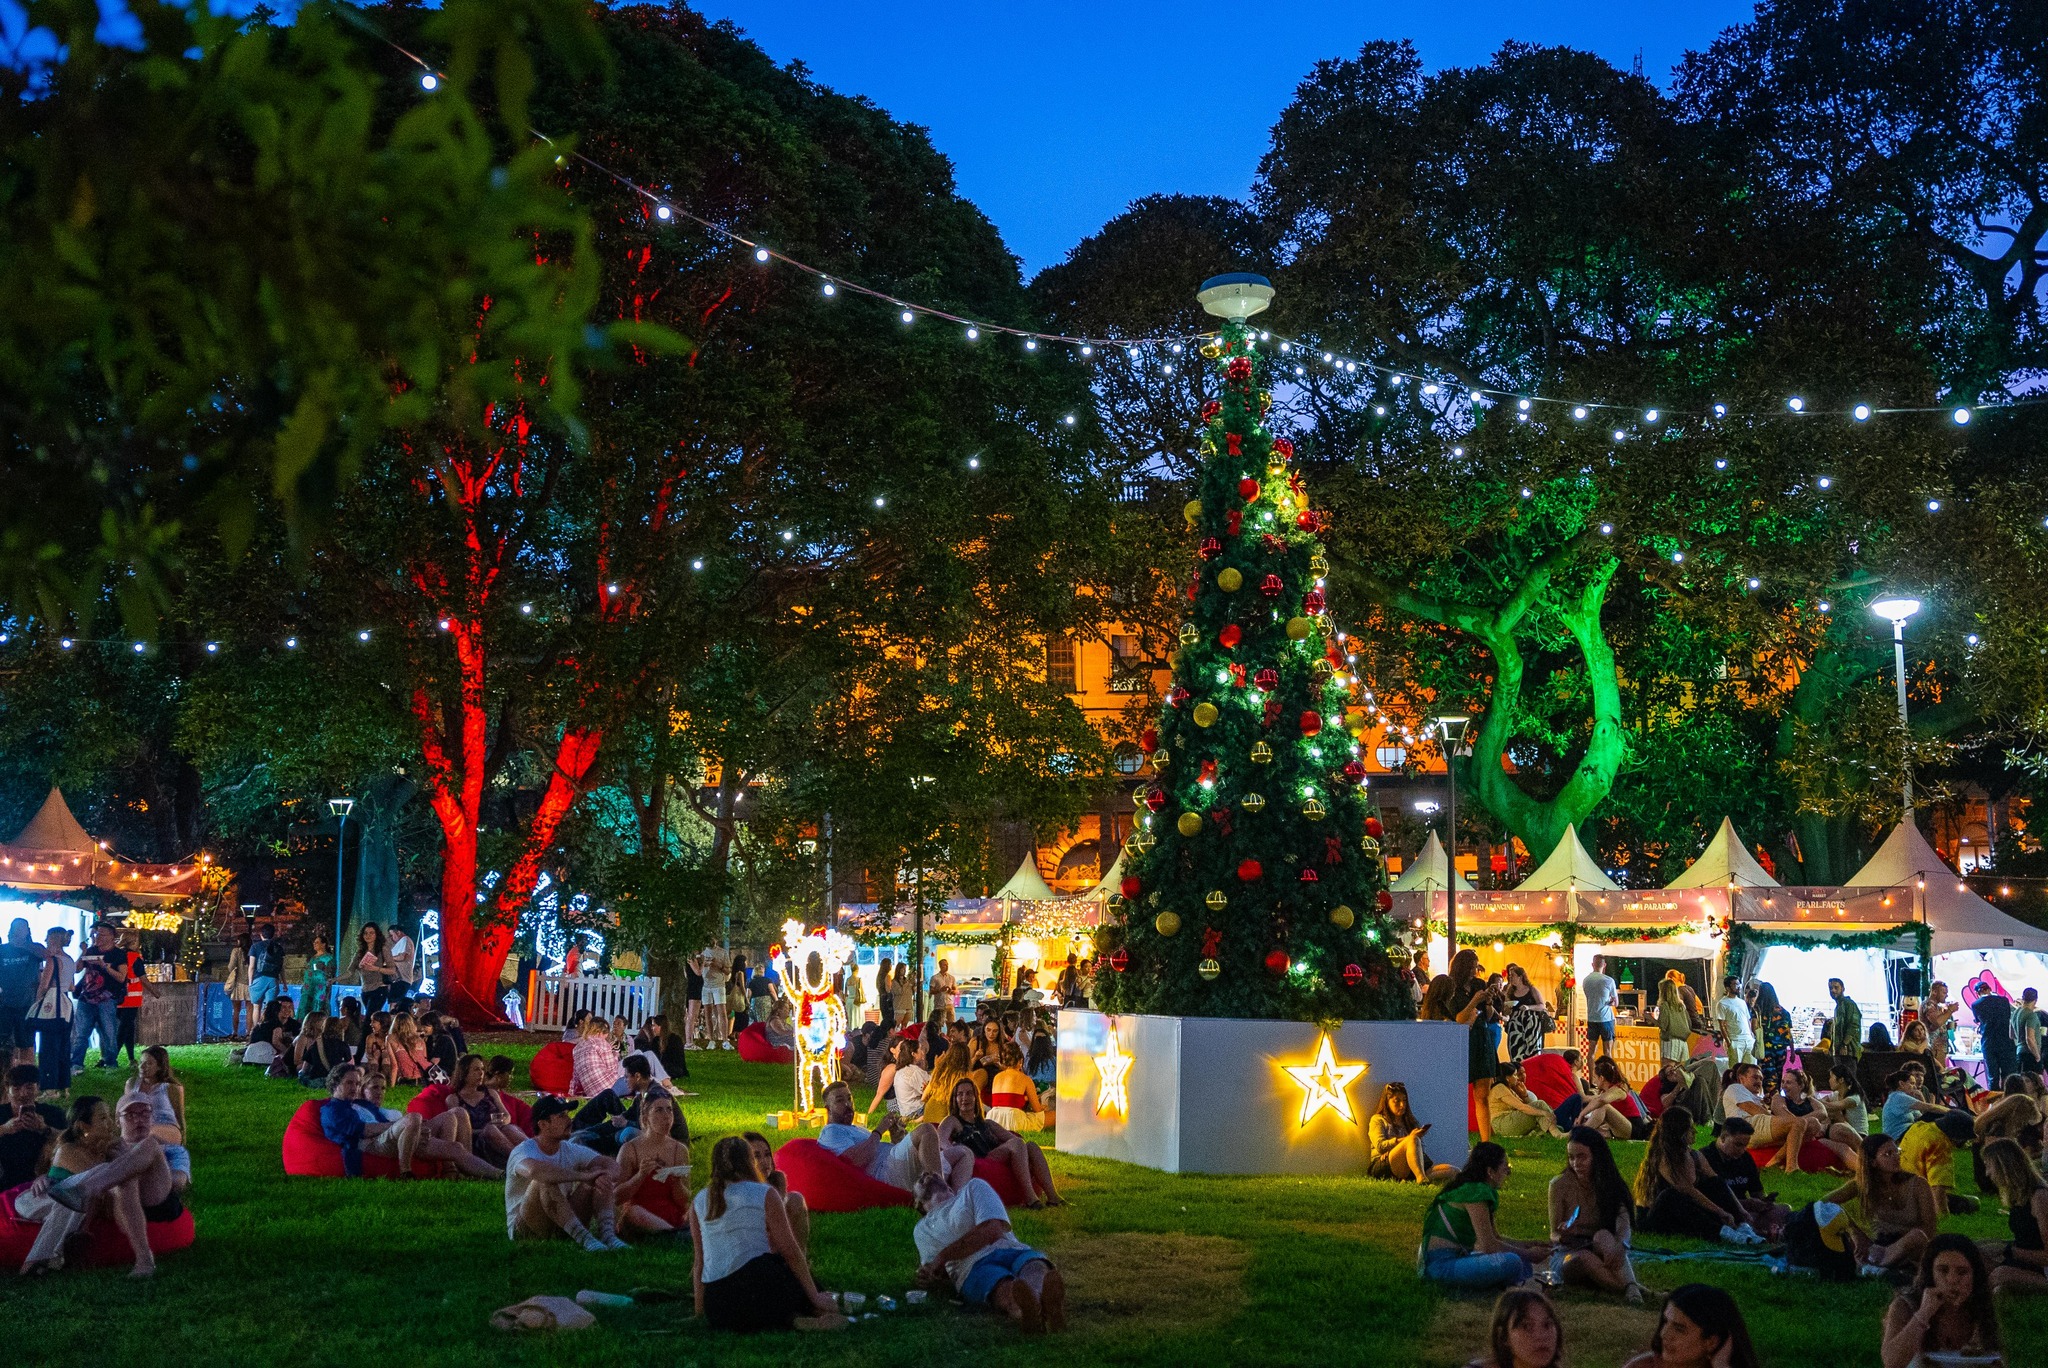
x,y
558,998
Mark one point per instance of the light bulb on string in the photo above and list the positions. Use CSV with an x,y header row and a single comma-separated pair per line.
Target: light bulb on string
x,y
1620,436
1522,404
663,212
1934,505
1650,416
1720,410
1579,412
290,643
429,81
1606,529
696,565
1825,481
1430,389
973,334
64,644
140,648
760,254
1720,463
908,316
1755,583
1070,420
1087,350
1796,404
1030,344
1824,605
1861,412
829,289
363,635
1962,417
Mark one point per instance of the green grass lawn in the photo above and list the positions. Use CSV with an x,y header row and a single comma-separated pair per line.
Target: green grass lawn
x,y
1163,1269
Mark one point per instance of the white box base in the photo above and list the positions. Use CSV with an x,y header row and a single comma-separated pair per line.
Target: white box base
x,y
1213,1095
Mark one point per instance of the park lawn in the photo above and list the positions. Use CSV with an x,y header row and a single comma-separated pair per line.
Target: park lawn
x,y
1164,1269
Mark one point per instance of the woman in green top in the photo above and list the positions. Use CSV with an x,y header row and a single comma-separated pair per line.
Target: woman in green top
x,y
1460,1247
1674,1022
319,974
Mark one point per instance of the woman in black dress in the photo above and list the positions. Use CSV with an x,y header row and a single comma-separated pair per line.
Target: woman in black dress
x,y
1472,1004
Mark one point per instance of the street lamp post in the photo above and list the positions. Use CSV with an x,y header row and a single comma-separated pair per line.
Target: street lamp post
x,y
340,807
1897,610
1453,725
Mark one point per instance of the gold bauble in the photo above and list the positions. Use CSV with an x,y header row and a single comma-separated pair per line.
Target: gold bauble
x,y
1254,802
1212,350
1216,900
1318,565
1265,399
1298,628
1161,758
1192,511
1322,670
1370,846
1262,754
1209,969
1166,923
1189,824
1229,580
1189,634
1205,714
1141,841
1313,810
1341,918
1276,466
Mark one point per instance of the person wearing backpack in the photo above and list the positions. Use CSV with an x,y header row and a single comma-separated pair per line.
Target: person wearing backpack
x,y
101,983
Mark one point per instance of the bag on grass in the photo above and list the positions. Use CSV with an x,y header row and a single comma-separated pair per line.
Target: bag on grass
x,y
1817,1237
543,1313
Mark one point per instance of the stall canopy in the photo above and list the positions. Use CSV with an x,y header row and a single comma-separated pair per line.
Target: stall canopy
x,y
1430,871
1725,861
1110,882
1569,865
1961,920
1026,885
54,853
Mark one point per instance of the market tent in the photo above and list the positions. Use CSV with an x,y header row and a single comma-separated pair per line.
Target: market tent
x,y
1111,881
1026,885
53,828
54,853
1568,866
1960,919
1726,860
1430,871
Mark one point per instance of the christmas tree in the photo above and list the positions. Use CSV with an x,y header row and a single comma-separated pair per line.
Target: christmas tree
x,y
1255,886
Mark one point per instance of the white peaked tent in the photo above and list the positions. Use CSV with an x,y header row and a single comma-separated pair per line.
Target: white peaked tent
x,y
1726,860
1026,885
1568,866
1961,920
1111,881
1430,871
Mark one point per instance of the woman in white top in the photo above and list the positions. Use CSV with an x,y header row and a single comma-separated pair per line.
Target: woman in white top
x,y
747,1270
901,1084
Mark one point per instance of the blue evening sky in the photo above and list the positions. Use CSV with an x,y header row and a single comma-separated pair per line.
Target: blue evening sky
x,y
1058,113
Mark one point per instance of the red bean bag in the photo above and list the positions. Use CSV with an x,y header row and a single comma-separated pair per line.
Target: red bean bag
x,y
554,1067
998,1174
754,1048
1550,1078
104,1245
522,1113
829,1183
308,1153
1814,1157
430,1102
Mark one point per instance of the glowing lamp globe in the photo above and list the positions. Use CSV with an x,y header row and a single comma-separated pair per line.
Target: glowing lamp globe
x,y
1895,610
1239,295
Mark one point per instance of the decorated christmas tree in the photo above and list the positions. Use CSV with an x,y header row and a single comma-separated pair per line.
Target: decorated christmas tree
x,y
1256,886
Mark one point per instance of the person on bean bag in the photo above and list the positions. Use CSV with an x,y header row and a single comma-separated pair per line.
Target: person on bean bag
x,y
498,1078
437,1139
754,1048
985,1139
350,1124
898,1164
105,1167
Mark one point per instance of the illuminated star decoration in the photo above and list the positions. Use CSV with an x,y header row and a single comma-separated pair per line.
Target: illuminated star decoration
x,y
1114,1066
1325,1083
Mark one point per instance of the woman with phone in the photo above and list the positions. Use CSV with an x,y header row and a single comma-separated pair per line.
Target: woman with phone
x,y
1394,1142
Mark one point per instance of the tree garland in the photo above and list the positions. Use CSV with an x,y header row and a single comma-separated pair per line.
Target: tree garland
x,y
1742,937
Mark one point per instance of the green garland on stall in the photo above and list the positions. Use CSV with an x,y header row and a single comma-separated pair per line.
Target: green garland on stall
x,y
901,938
1743,936
1569,932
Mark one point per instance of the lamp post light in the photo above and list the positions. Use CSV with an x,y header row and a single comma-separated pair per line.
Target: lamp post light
x,y
1453,725
1897,610
340,807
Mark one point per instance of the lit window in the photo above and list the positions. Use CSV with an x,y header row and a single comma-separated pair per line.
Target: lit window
x,y
1059,664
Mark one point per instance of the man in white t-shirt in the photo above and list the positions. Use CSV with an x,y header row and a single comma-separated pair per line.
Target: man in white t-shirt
x,y
1731,1013
1745,1096
1599,991
942,988
965,1238
899,1161
400,949
553,1186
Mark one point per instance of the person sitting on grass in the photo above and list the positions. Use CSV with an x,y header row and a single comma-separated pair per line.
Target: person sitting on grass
x,y
612,1117
654,1172
1517,1112
2019,1184
1700,1327
359,1128
28,1128
953,1065
105,1165
1906,1100
747,1270
914,1151
1394,1142
267,1037
554,1187
2016,1117
1947,1310
1590,1214
665,1046
1770,1123
1928,1148
315,1052
441,1038
1013,1098
1897,1208
355,1026
1461,1247
899,1086
1612,1106
1847,1109
491,1133
596,1065
1526,1333
965,1238
1727,1156
436,1138
408,1053
498,1078
1678,1194
793,1203
966,1124
1795,1101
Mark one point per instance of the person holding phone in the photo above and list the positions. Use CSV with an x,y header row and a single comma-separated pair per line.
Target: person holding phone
x,y
1394,1142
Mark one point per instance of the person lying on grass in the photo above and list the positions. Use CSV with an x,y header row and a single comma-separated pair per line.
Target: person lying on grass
x,y
554,1187
1678,1193
1947,1310
438,1139
654,1172
1727,1156
1897,1208
105,1167
966,1125
1460,1246
899,1164
964,1238
1590,1212
748,1271
793,1203
1526,1333
1394,1142
1701,1327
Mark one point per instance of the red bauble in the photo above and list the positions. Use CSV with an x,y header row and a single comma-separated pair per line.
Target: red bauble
x,y
1276,961
1240,368
1249,871
1155,798
1248,489
1353,975
1312,602
1210,548
1311,722
1267,679
1119,959
1309,876
1210,410
1386,901
1305,520
1373,828
1354,773
1230,636
1233,521
1132,886
1148,739
1271,586
1283,448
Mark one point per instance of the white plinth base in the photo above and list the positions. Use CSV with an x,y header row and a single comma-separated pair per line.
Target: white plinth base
x,y
1214,1095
